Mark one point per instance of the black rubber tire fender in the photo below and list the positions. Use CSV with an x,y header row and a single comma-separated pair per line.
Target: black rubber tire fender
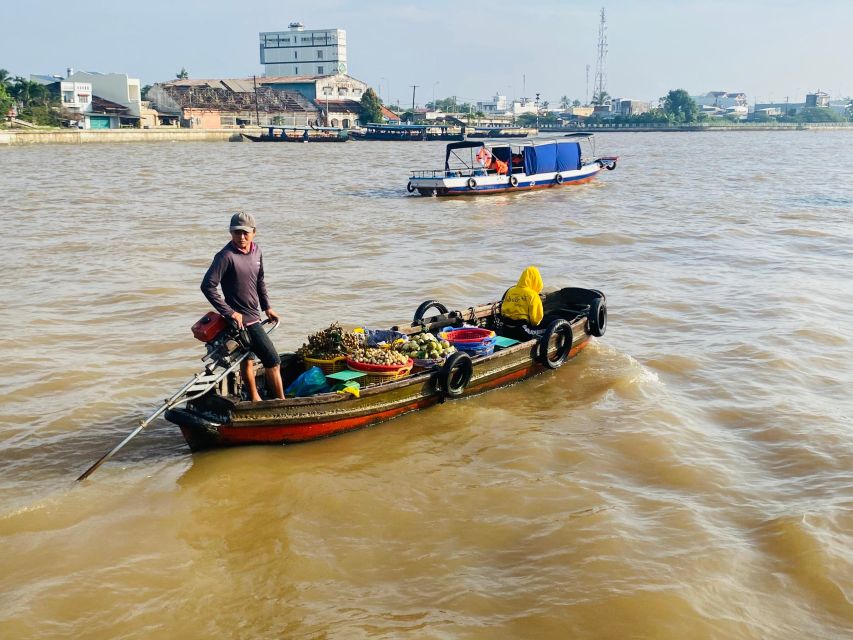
x,y
410,188
558,178
597,318
455,374
472,184
186,418
611,166
563,330
513,181
426,306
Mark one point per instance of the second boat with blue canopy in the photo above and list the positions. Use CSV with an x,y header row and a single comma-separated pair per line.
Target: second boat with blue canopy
x,y
492,166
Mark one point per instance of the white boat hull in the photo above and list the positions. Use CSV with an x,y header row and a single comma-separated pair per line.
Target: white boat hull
x,y
448,183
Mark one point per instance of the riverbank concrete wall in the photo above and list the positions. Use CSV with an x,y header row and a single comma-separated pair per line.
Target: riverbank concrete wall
x,y
85,136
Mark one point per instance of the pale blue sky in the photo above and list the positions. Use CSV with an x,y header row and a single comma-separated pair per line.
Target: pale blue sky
x,y
769,49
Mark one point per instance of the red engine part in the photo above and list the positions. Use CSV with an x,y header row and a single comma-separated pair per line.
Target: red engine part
x,y
210,326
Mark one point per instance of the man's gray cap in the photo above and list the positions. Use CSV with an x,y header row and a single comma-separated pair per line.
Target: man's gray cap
x,y
241,221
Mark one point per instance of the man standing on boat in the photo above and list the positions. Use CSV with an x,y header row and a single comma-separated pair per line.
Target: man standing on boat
x,y
239,269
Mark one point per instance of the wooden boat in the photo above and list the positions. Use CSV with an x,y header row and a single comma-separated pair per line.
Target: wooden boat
x,y
220,417
411,132
502,132
499,166
300,134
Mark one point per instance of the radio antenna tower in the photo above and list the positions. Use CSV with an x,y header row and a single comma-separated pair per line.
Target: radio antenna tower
x,y
600,75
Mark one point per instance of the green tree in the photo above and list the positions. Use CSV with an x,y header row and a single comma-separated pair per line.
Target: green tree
x,y
680,106
565,103
849,110
601,98
818,114
6,101
38,105
182,74
532,120
145,89
371,107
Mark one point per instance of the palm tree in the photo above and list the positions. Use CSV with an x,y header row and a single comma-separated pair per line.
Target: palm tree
x,y
4,76
601,98
565,103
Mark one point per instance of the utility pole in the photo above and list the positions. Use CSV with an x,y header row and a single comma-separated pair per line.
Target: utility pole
x,y
414,88
257,114
537,111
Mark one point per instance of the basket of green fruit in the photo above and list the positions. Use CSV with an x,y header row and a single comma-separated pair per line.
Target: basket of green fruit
x,y
426,351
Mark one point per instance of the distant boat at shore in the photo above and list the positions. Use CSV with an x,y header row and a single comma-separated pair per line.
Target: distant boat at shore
x,y
300,134
502,132
410,132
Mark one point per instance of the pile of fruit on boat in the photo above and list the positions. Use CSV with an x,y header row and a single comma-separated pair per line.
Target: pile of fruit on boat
x,y
377,356
329,348
426,350
380,364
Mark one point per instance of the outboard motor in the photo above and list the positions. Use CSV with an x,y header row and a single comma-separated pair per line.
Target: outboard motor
x,y
222,338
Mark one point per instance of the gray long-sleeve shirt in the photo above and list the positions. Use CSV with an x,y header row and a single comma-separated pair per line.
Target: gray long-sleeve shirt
x,y
241,276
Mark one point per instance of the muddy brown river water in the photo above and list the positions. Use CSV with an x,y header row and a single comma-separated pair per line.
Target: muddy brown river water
x,y
690,475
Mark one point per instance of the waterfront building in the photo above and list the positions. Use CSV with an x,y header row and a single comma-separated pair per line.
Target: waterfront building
x,y
229,103
628,107
337,96
778,108
301,52
95,100
721,103
333,101
817,100
498,104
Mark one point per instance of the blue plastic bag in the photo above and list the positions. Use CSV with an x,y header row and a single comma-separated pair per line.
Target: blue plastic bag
x,y
308,383
376,337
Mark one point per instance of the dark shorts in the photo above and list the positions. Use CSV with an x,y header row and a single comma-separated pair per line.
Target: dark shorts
x,y
262,346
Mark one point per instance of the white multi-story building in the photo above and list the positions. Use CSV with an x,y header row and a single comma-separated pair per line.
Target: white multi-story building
x,y
497,104
723,103
297,52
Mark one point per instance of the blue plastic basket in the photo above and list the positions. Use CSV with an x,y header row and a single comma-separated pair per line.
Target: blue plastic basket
x,y
483,347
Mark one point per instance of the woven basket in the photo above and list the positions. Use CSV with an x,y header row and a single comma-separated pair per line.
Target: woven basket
x,y
328,366
376,377
426,364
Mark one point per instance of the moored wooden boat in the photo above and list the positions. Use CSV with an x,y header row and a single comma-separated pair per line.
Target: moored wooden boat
x,y
502,132
220,418
410,132
299,134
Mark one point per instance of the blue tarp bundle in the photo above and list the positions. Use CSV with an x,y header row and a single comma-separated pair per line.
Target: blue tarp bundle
x,y
568,156
550,158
